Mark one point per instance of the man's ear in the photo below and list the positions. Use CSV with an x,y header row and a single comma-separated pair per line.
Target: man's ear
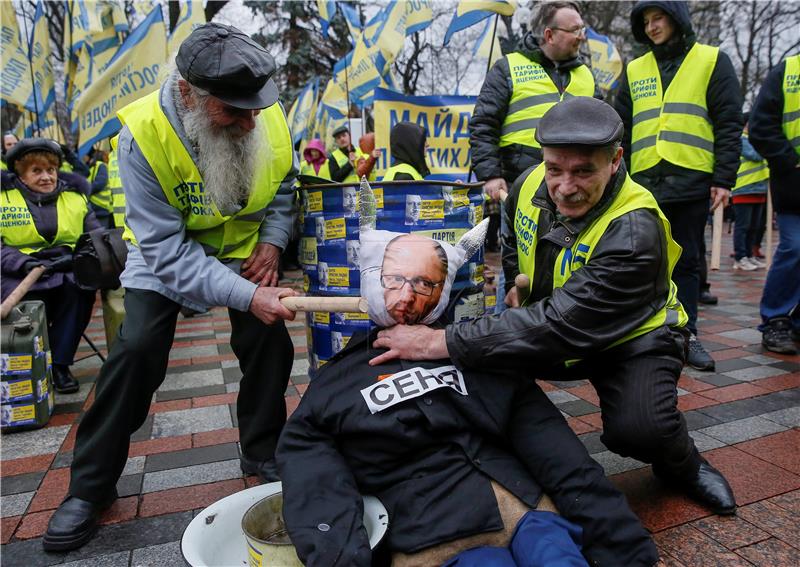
x,y
616,161
186,93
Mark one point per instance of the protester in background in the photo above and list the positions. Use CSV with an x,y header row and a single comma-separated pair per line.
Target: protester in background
x,y
43,214
201,231
366,164
314,161
749,197
101,199
547,68
599,254
72,163
9,139
682,110
407,144
342,161
775,134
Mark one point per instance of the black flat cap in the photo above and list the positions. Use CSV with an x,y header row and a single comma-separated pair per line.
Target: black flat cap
x,y
579,121
340,130
28,145
225,62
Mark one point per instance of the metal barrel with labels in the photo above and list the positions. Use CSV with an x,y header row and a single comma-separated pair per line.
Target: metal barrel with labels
x,y
27,394
329,247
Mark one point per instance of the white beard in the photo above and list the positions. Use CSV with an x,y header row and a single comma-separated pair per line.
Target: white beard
x,y
226,161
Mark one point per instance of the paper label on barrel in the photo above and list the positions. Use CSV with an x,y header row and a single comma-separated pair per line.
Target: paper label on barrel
x,y
38,345
378,192
449,235
16,391
432,210
17,415
308,251
314,201
338,277
335,229
322,318
13,364
460,198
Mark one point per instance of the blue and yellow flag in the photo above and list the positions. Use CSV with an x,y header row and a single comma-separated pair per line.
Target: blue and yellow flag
x,y
327,9
352,18
78,74
16,84
488,44
470,12
302,111
131,74
395,22
364,66
606,61
41,64
191,16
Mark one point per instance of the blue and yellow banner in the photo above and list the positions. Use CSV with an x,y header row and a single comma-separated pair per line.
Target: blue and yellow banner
x,y
301,115
606,61
327,9
41,64
445,119
16,84
487,45
395,22
191,16
131,74
470,12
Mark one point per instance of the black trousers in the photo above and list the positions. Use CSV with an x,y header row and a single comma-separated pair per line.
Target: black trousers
x,y
688,222
639,403
137,366
69,310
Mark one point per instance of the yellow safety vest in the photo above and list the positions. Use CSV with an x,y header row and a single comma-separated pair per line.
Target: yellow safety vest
x,y
342,160
791,101
117,194
401,168
308,169
673,126
631,197
66,167
533,93
19,230
222,236
101,198
750,172
3,166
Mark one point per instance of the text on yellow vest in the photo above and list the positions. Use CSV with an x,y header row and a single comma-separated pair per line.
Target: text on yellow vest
x,y
791,101
19,230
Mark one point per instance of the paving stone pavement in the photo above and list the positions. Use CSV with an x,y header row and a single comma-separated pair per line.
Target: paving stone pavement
x,y
744,417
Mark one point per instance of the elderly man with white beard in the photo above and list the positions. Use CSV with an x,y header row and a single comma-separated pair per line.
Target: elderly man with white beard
x,y
207,166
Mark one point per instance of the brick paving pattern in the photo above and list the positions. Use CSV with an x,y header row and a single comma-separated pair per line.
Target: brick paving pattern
x,y
744,417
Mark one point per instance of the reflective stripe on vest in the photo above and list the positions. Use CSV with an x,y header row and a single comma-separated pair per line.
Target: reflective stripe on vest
x,y
791,101
223,236
750,172
392,172
100,198
342,160
117,195
19,230
308,169
673,126
532,94
631,196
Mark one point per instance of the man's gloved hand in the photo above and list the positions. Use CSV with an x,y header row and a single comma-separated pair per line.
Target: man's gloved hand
x,y
31,264
63,264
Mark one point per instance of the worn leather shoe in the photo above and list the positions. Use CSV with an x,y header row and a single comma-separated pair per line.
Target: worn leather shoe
x,y
73,524
711,489
266,470
63,380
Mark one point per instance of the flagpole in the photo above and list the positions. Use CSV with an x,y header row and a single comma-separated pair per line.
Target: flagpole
x,y
30,65
491,46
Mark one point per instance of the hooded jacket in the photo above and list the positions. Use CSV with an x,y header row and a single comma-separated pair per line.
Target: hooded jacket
x,y
669,182
769,139
489,160
407,145
14,265
315,144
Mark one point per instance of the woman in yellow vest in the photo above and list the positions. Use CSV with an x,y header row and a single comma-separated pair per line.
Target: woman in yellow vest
x,y
749,196
407,145
43,214
314,161
682,109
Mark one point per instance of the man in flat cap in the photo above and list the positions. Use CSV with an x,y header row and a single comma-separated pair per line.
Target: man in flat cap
x,y
343,160
601,305
207,166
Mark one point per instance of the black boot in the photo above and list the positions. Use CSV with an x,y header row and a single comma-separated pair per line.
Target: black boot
x,y
73,524
266,470
707,486
63,380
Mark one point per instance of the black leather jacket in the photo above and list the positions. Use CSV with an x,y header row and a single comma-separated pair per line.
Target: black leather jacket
x,y
622,286
430,458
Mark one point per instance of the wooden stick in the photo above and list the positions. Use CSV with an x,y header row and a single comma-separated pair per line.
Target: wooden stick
x,y
769,228
326,304
20,291
716,239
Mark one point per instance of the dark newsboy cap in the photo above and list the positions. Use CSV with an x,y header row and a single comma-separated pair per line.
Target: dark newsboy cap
x,y
580,121
232,67
340,130
28,145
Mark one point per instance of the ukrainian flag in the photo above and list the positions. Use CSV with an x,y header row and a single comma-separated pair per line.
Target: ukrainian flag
x,y
470,12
